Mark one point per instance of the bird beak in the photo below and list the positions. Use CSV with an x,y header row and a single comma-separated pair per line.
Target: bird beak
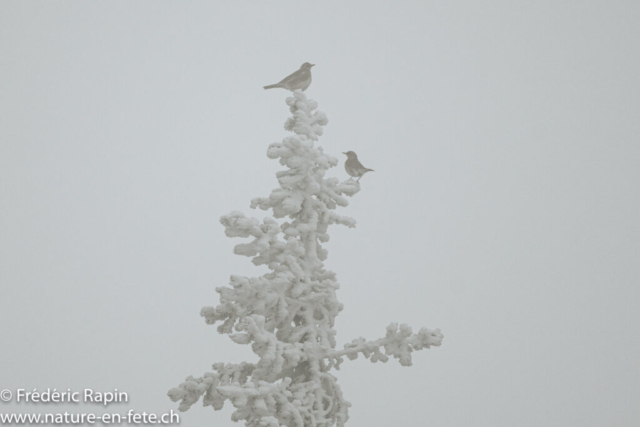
x,y
344,152
313,65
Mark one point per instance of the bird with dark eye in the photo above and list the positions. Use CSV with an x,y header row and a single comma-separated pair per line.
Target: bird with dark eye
x,y
353,166
299,80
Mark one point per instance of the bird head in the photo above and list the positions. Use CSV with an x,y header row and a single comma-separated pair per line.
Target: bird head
x,y
306,66
351,154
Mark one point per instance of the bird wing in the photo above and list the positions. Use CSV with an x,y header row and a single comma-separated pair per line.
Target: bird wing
x,y
290,77
297,78
357,164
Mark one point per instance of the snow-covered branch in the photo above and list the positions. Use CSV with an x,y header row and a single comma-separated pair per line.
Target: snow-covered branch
x,y
192,389
399,343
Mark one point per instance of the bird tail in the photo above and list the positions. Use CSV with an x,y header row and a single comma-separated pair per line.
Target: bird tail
x,y
271,86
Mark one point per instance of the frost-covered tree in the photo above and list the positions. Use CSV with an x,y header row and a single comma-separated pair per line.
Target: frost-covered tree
x,y
288,314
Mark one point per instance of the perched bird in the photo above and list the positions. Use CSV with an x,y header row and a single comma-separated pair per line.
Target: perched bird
x,y
301,79
354,167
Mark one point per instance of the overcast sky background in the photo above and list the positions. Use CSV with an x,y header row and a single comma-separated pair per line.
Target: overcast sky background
x,y
504,207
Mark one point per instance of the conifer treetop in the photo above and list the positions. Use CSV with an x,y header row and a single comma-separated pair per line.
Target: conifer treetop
x,y
288,314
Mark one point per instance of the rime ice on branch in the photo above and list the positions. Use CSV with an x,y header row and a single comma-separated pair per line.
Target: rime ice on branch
x,y
287,315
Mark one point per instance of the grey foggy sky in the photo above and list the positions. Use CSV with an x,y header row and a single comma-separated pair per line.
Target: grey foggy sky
x,y
503,208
